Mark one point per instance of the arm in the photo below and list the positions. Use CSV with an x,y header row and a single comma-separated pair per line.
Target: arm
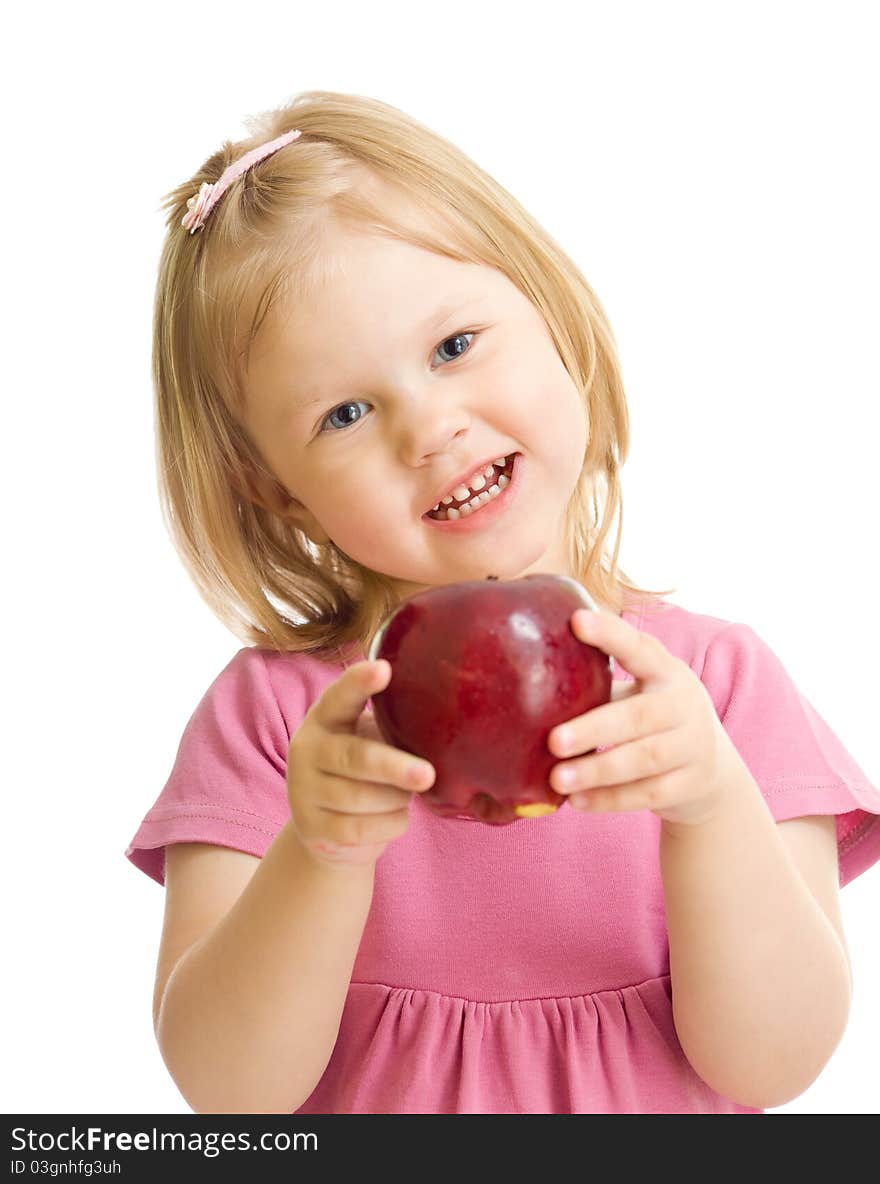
x,y
249,1015
760,975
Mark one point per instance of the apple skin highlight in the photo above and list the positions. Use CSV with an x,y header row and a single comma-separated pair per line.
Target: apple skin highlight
x,y
482,671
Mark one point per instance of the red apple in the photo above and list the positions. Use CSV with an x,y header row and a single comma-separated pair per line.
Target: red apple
x,y
481,672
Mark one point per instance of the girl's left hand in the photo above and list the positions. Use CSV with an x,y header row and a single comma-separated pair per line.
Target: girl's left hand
x,y
670,752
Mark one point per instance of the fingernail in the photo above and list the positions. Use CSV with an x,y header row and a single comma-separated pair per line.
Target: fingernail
x,y
421,774
562,740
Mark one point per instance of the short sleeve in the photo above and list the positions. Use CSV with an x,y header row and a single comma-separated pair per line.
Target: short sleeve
x,y
228,783
798,762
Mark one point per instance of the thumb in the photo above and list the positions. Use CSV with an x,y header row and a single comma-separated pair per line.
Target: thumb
x,y
343,702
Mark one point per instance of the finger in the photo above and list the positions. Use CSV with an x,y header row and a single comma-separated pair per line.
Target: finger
x,y
640,654
353,830
358,759
344,795
650,793
650,756
618,722
342,703
376,800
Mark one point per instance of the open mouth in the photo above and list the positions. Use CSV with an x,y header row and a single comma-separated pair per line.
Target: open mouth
x,y
464,508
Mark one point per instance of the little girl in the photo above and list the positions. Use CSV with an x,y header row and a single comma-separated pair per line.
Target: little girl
x,y
375,373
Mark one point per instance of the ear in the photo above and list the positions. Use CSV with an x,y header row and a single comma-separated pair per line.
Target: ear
x,y
269,493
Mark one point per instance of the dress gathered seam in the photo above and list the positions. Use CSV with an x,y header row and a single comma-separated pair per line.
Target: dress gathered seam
x,y
662,978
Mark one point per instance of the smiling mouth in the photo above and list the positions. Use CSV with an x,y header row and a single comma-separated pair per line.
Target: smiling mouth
x,y
464,509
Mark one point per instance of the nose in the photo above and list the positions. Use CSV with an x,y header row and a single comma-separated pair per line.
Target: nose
x,y
427,423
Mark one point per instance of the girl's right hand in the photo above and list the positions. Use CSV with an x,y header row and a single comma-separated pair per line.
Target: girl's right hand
x,y
349,791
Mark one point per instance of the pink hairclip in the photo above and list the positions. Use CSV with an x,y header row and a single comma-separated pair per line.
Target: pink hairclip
x,y
200,206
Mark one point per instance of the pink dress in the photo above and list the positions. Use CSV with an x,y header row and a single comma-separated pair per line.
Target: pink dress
x,y
516,969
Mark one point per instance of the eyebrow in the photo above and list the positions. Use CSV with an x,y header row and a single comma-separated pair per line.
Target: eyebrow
x,y
437,318
446,310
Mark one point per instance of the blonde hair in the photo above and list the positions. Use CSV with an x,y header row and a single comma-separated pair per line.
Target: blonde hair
x,y
269,583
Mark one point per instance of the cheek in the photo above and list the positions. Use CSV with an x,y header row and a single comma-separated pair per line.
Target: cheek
x,y
576,418
540,379
563,416
358,516
370,542
566,432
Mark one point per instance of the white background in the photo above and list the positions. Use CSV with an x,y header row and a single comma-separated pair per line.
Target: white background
x,y
713,171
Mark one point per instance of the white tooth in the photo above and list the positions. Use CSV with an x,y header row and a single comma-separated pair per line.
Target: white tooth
x,y
448,499
478,482
460,492
489,471
475,503
437,507
501,462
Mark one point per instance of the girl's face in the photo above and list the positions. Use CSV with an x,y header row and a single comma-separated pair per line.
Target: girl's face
x,y
408,372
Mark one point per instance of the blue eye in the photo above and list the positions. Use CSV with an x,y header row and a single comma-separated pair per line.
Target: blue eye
x,y
456,337
344,407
